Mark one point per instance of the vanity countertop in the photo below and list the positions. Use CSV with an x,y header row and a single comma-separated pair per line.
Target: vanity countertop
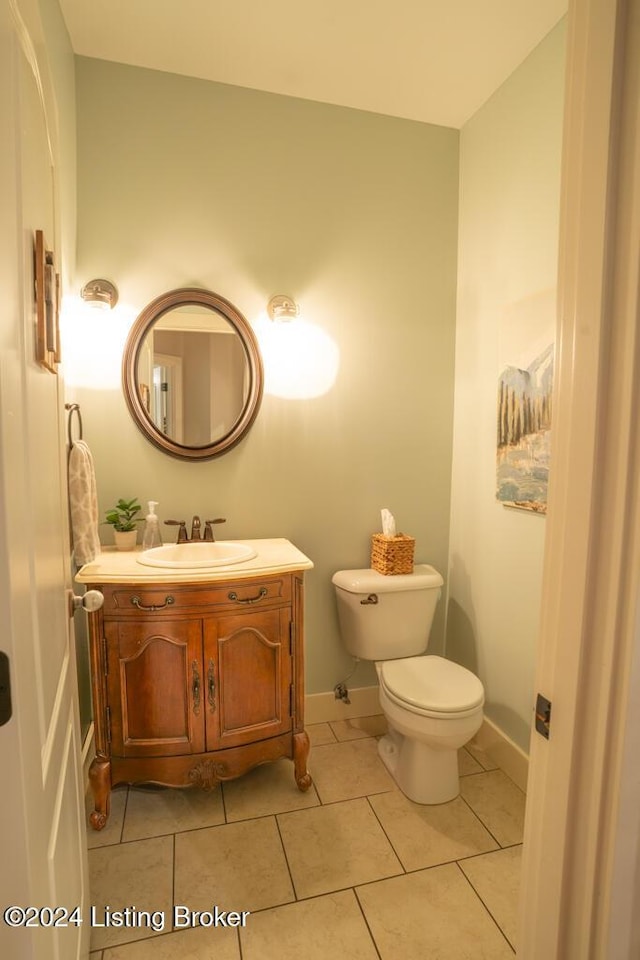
x,y
115,566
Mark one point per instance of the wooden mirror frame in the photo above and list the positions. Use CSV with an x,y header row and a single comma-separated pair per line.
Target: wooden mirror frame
x,y
191,296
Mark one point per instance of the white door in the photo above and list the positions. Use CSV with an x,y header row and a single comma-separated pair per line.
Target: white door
x,y
42,848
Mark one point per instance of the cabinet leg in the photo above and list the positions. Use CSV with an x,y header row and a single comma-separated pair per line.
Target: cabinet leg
x,y
300,754
100,780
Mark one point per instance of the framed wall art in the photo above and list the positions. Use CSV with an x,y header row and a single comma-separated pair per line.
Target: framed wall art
x,y
47,305
524,408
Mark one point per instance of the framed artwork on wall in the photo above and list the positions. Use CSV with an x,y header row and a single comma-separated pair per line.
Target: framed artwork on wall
x,y
47,305
524,408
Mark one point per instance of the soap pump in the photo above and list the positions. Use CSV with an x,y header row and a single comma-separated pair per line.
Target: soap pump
x,y
151,537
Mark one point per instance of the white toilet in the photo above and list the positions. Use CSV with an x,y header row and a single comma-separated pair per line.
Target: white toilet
x,y
433,706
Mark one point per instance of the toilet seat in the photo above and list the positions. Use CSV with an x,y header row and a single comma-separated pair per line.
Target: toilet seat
x,y
431,686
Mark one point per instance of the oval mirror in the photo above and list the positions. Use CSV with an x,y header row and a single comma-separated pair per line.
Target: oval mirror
x,y
192,374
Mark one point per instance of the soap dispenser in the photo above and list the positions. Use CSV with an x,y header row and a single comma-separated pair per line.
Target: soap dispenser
x,y
151,537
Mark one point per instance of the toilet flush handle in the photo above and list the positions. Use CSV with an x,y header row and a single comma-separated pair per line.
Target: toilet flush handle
x,y
372,598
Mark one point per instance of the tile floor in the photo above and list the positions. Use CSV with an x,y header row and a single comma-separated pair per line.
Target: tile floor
x,y
351,868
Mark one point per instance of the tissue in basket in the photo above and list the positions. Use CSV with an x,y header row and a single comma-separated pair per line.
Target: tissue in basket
x,y
392,555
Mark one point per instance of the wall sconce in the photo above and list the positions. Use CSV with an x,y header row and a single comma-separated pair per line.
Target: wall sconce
x,y
282,308
300,359
100,294
88,318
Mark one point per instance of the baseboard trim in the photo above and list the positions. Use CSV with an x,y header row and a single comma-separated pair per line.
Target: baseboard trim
x,y
511,758
365,702
323,707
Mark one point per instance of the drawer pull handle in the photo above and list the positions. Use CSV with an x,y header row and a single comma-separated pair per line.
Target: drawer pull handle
x,y
262,594
136,601
196,688
211,678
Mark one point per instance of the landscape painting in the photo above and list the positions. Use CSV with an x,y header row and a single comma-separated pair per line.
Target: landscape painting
x,y
524,415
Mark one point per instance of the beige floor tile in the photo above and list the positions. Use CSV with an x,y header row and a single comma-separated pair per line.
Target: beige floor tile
x,y
483,758
496,879
423,836
360,727
467,764
199,943
343,771
154,813
431,914
112,832
270,788
320,733
238,866
96,956
130,875
336,846
318,929
499,804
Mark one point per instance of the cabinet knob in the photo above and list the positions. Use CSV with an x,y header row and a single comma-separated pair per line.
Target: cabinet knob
x,y
90,601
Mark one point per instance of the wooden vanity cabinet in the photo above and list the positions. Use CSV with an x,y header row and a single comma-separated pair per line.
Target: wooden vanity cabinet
x,y
196,683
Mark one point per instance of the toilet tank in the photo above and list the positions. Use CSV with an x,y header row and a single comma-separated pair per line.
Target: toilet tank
x,y
386,617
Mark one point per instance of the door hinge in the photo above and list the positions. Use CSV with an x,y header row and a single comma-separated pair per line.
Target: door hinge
x,y
543,715
5,690
292,637
105,659
108,724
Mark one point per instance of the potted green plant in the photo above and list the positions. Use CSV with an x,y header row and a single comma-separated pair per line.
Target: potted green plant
x,y
122,518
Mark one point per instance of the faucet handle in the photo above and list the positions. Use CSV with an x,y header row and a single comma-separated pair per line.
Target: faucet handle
x,y
208,532
182,532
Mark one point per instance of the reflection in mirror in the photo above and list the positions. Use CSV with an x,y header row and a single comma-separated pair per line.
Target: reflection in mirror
x,y
192,374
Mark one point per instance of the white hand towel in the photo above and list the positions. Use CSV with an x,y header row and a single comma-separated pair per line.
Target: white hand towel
x,y
83,504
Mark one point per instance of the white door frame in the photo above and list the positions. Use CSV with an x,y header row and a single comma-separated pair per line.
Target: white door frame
x,y
579,879
174,366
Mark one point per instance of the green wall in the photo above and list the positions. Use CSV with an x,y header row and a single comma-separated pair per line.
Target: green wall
x,y
510,155
186,182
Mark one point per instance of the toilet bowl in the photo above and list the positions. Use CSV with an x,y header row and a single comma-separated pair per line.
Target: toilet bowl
x,y
432,705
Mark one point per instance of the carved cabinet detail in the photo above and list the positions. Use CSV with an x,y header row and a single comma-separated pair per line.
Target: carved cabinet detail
x,y
196,683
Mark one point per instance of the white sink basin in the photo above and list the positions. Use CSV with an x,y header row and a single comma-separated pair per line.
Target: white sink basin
x,y
200,554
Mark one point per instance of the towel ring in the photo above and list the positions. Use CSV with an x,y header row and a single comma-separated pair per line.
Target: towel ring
x,y
73,408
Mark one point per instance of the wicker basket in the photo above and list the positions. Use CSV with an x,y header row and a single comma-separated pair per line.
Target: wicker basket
x,y
392,555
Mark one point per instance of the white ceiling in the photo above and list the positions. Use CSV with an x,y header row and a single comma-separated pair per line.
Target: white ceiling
x,y
436,61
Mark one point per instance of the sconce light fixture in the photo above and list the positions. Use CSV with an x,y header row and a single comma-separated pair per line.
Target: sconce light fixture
x,y
282,308
101,294
300,359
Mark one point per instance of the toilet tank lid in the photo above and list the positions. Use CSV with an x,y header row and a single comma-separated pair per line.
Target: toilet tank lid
x,y
424,577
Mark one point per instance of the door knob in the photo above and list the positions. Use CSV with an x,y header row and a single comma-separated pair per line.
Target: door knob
x,y
89,601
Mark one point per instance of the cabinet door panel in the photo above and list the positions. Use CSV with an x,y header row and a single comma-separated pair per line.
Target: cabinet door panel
x,y
253,699
155,688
